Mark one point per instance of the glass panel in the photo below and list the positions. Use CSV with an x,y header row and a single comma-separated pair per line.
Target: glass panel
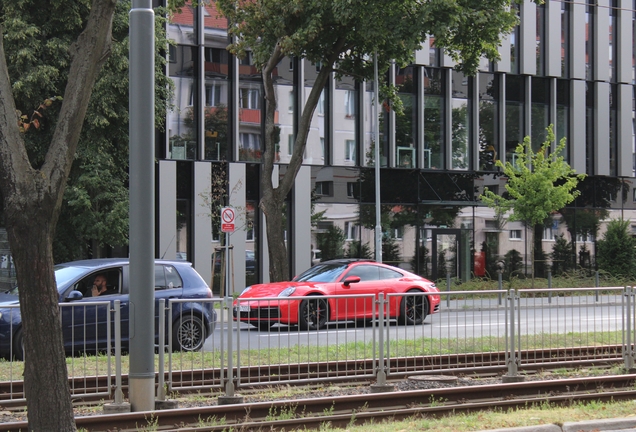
x,y
250,102
406,125
433,119
540,111
369,128
446,256
589,127
514,114
590,10
613,129
215,103
461,122
613,42
344,122
565,39
284,84
514,43
540,37
488,120
563,116
318,127
181,120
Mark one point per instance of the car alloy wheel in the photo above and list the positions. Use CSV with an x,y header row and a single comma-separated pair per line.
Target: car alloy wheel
x,y
188,333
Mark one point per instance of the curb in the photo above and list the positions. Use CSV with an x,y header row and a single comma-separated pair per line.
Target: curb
x,y
582,426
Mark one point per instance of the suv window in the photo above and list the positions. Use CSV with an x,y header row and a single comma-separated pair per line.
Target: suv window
x,y
167,277
113,282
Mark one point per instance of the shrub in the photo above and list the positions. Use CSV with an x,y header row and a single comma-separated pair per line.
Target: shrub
x,y
616,251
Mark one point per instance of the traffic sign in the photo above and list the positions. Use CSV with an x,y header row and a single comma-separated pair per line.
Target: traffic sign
x,y
227,219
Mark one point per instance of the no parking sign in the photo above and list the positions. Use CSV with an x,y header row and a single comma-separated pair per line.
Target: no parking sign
x,y
227,219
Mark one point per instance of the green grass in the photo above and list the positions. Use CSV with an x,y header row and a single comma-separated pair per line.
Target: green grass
x,y
495,419
97,365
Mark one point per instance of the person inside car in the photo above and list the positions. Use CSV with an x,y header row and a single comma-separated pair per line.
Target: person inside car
x,y
100,286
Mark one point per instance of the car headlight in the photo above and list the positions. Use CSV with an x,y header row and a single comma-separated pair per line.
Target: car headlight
x,y
246,290
287,292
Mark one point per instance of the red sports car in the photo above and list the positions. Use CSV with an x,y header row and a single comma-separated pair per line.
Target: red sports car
x,y
264,305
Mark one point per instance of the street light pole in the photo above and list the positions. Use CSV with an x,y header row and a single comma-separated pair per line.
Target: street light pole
x,y
141,378
378,225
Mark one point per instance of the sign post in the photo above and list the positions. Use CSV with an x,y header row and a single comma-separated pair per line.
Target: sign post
x,y
227,226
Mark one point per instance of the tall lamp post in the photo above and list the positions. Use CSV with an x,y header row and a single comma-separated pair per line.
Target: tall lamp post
x,y
378,224
141,378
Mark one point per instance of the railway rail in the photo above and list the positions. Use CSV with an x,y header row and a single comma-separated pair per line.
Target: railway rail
x,y
351,371
346,410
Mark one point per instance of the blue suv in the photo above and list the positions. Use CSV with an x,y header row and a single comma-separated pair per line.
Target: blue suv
x,y
84,323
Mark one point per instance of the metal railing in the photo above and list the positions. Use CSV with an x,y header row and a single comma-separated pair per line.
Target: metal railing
x,y
364,338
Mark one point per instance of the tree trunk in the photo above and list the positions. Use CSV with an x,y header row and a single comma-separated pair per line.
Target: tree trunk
x,y
278,262
32,199
46,387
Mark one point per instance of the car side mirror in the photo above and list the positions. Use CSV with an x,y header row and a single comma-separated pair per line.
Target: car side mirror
x,y
351,279
74,295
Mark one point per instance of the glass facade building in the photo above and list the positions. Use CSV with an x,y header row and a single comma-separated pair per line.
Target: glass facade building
x,y
435,159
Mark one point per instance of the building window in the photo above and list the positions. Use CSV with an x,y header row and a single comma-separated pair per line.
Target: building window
x,y
320,108
212,95
290,108
352,230
515,234
350,104
491,224
350,150
322,147
324,188
397,233
548,233
249,98
352,189
290,144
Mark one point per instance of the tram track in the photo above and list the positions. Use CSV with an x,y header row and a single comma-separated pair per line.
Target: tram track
x,y
351,371
341,411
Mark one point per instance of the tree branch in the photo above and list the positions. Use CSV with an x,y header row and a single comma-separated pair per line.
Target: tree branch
x,y
90,51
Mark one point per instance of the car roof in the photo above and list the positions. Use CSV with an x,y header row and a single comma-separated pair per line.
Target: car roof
x,y
105,262
347,261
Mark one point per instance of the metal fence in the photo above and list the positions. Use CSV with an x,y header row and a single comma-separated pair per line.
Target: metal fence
x,y
87,331
474,331
364,338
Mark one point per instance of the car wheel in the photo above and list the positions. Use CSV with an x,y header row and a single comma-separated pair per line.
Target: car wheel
x,y
188,333
18,345
313,314
413,309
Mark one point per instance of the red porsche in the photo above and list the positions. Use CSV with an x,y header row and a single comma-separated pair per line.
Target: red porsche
x,y
264,305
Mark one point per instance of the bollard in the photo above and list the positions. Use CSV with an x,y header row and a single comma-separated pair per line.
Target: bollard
x,y
511,354
628,347
230,397
381,386
161,390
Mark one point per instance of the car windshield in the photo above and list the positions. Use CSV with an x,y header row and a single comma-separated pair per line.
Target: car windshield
x,y
321,273
63,274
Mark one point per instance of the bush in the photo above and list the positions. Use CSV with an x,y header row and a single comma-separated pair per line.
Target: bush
x,y
331,243
561,255
616,251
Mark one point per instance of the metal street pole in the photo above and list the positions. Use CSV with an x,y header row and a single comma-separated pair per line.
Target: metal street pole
x,y
378,225
141,378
